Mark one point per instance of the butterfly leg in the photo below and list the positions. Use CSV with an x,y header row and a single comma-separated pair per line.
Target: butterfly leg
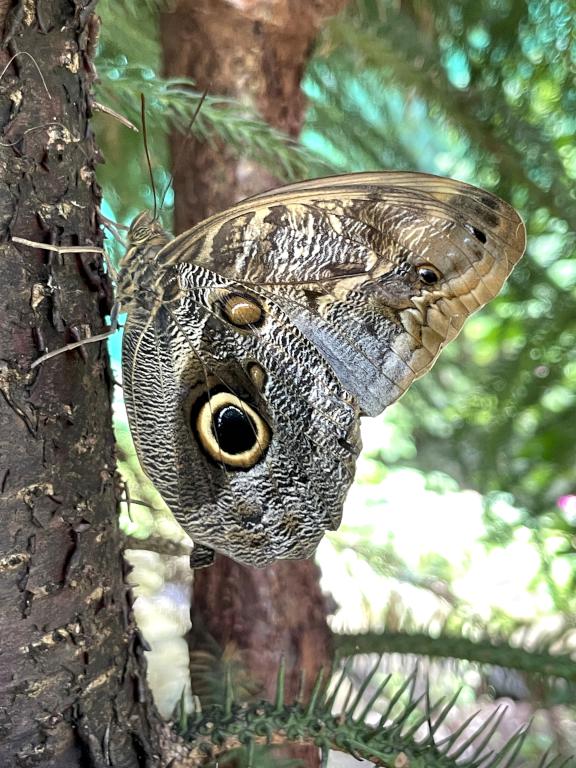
x,y
201,556
82,342
115,309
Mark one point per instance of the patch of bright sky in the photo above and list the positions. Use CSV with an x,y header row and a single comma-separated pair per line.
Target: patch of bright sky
x,y
478,37
115,341
115,348
457,67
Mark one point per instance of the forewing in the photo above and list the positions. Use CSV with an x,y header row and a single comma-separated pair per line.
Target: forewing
x,y
343,256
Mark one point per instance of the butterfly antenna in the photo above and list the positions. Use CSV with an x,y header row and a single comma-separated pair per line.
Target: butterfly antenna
x,y
183,145
145,139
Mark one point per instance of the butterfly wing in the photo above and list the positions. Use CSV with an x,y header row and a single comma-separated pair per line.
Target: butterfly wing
x,y
348,260
276,323
249,437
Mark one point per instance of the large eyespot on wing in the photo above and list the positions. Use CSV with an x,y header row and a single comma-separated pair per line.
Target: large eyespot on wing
x,y
229,430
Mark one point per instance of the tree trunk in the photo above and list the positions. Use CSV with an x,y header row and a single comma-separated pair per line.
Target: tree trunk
x,y
256,51
70,666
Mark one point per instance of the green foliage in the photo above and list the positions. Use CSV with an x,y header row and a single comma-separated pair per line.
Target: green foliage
x,y
499,652
170,103
406,734
483,91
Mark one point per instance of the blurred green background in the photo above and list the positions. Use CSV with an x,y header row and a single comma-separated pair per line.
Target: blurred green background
x,y
463,520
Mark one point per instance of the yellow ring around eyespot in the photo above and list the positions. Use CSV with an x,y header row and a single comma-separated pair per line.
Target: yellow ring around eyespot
x,y
204,427
242,311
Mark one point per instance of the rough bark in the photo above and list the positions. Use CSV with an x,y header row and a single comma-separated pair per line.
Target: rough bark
x,y
255,50
70,666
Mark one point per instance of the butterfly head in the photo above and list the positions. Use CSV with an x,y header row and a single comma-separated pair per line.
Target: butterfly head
x,y
137,273
144,228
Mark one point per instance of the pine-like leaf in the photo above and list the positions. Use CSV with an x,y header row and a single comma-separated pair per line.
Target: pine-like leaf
x,y
387,744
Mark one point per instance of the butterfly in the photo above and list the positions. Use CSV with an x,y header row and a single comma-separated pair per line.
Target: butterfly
x,y
257,339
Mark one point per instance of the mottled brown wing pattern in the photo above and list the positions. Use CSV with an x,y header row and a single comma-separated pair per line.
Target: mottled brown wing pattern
x,y
343,257
272,492
256,339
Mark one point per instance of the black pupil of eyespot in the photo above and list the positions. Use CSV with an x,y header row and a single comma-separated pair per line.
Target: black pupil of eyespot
x,y
479,235
428,275
234,430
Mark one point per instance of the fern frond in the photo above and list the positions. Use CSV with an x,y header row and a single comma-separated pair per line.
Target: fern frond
x,y
315,695
374,698
281,684
486,730
362,689
408,683
339,683
433,727
391,49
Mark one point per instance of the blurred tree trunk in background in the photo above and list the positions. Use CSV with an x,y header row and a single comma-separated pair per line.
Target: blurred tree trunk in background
x,y
256,51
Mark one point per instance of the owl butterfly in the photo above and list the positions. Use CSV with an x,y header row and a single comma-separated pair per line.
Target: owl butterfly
x,y
256,340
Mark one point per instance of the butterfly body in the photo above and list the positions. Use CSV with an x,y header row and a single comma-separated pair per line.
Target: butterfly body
x,y
255,340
